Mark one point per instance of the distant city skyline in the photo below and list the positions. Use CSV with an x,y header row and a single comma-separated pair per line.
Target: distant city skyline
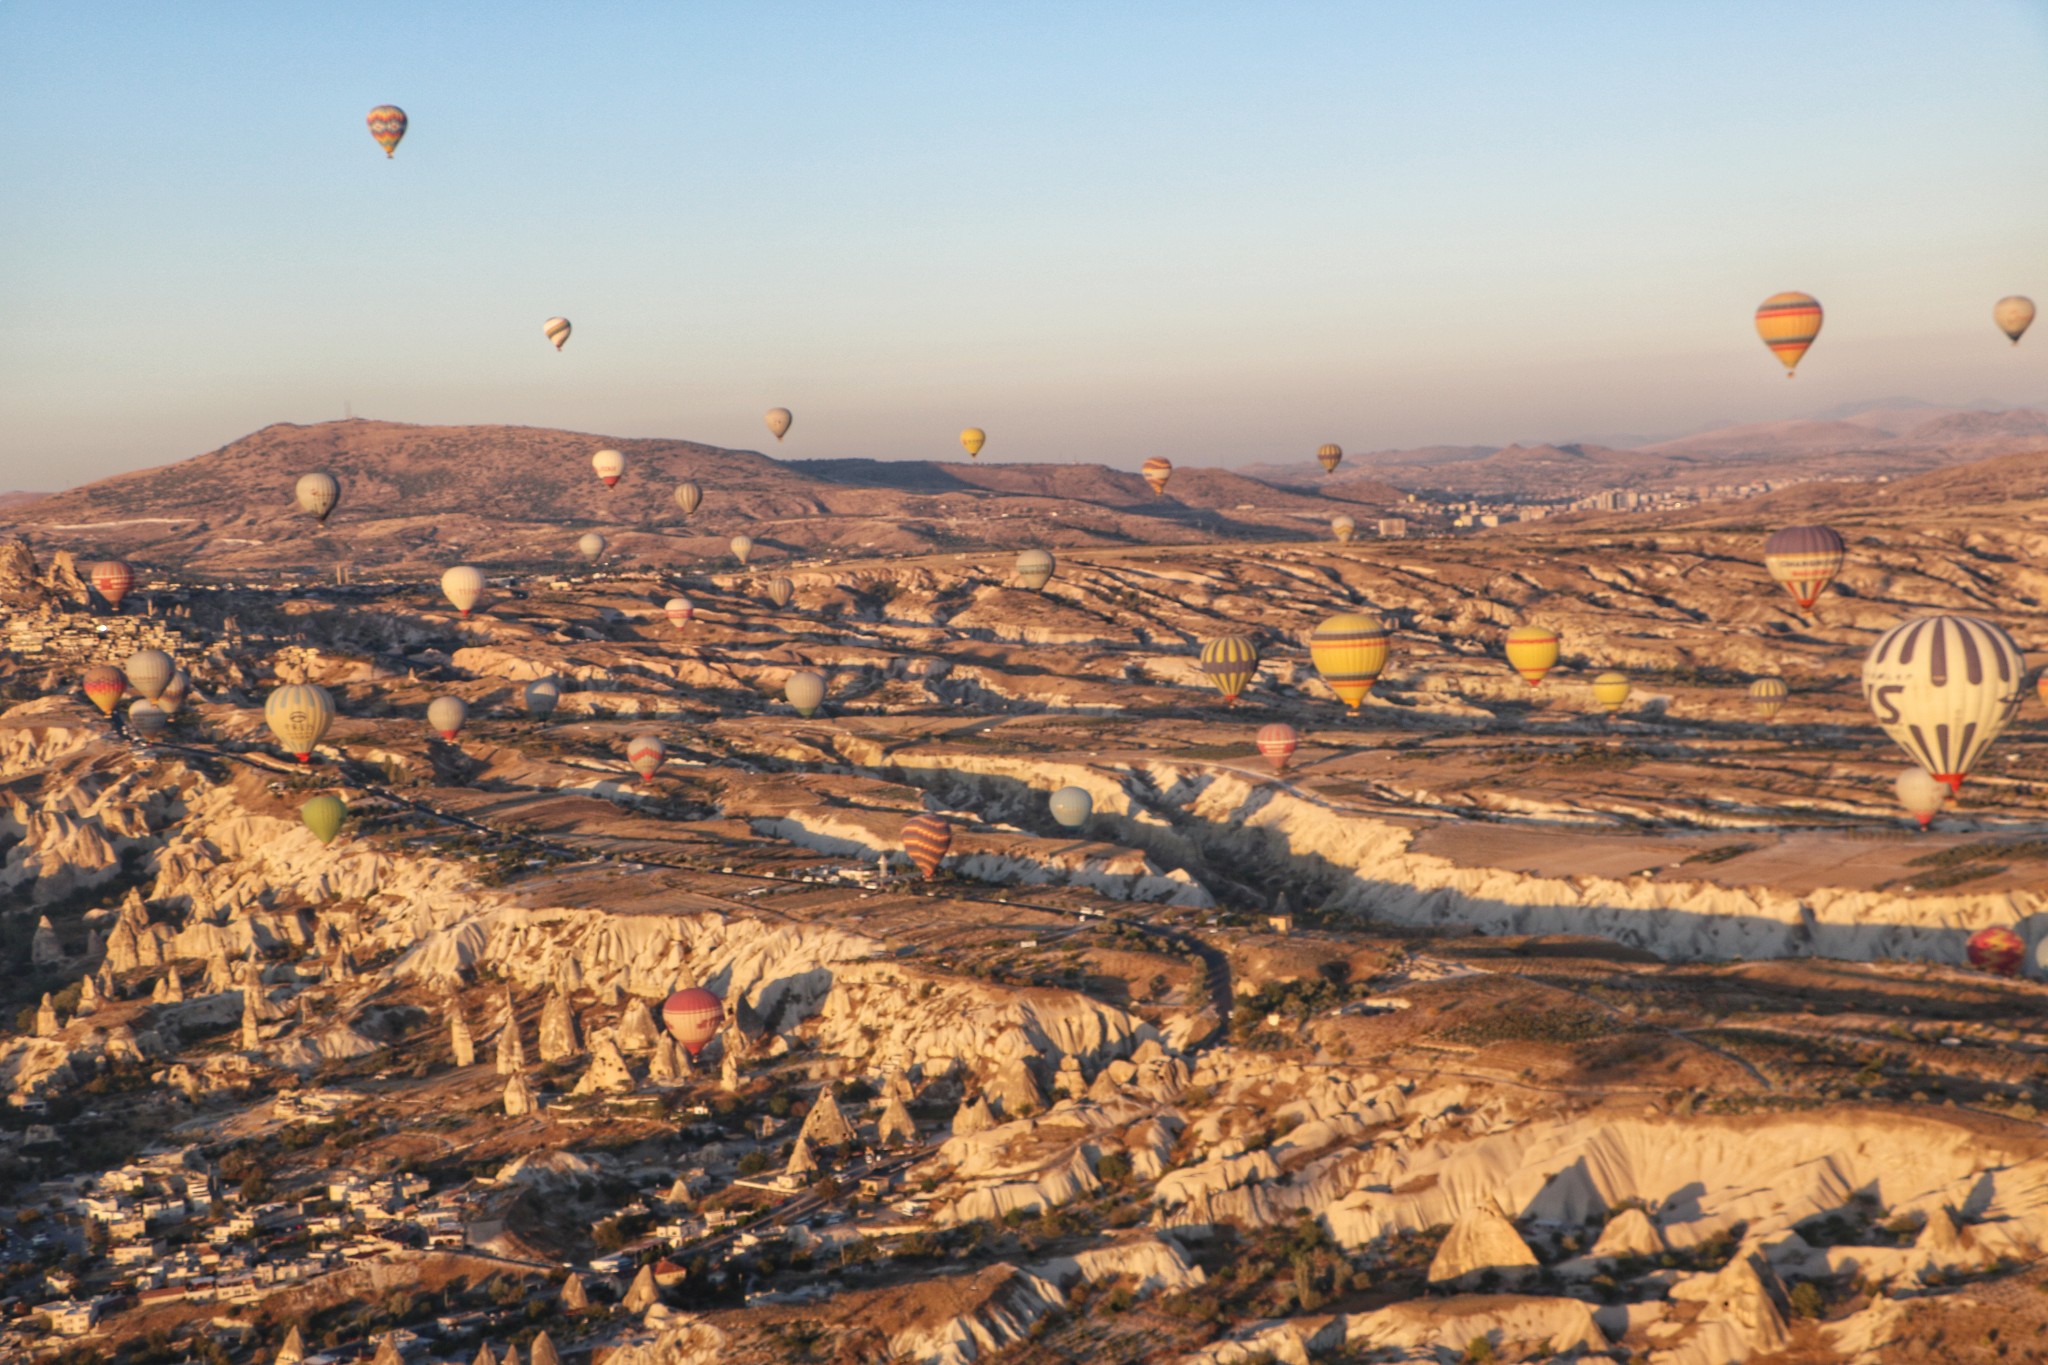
x,y
1219,233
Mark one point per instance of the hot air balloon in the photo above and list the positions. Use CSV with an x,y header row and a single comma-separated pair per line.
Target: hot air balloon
x,y
778,420
679,611
1805,559
299,714
1610,692
463,586
323,815
689,497
781,591
1788,323
2041,684
1768,695
104,686
149,672
805,690
693,1018
112,579
448,715
610,466
541,696
1532,652
556,330
1229,662
174,692
973,439
742,546
1997,949
1943,687
317,493
1349,650
1344,528
1034,569
1329,457
1920,794
387,125
926,839
147,719
1071,806
590,545
1156,471
1277,742
2014,314
645,754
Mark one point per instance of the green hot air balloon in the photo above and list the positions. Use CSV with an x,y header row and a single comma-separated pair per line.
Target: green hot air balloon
x,y
323,815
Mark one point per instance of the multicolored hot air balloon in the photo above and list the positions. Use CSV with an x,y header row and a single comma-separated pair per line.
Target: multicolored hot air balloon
x,y
679,610
645,754
323,815
1156,471
1788,323
556,330
689,497
175,692
610,466
1034,569
463,586
1349,651
1329,457
742,546
147,719
1277,742
149,672
112,579
693,1017
1805,559
1997,949
972,440
1769,695
1610,692
542,695
448,715
2041,685
1532,652
1071,806
805,690
317,494
299,714
387,125
1344,528
781,591
926,839
104,686
1230,662
778,420
2014,314
591,545
1920,794
1943,687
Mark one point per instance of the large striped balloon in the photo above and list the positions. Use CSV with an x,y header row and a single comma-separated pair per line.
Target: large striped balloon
x,y
556,330
689,496
1230,661
1943,687
299,714
149,672
1349,650
103,686
645,755
693,1016
1277,742
112,579
1997,949
1610,692
1329,457
1769,695
1034,569
1788,323
1156,471
387,125
926,839
1805,559
1532,652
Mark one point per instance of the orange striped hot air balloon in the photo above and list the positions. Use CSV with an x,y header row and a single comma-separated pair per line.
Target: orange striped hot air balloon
x,y
1277,742
926,839
1349,650
1230,662
103,687
1788,323
1156,471
1329,457
1532,652
1997,949
112,579
387,125
557,330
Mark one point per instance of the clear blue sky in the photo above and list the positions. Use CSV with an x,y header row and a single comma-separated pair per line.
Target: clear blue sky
x,y
1223,233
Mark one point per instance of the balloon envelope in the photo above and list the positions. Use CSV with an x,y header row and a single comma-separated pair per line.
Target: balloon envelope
x,y
1769,695
781,591
1071,806
2014,314
1805,559
1229,663
972,440
299,714
610,467
175,692
689,496
448,715
1997,949
1156,471
679,610
112,579
1920,795
1344,528
541,696
1329,457
147,719
693,1017
1610,692
317,493
463,586
742,546
590,545
1943,687
1277,742
1532,652
778,420
387,125
149,672
1788,323
1350,651
1034,569
323,815
104,685
556,330
645,754
805,690
926,838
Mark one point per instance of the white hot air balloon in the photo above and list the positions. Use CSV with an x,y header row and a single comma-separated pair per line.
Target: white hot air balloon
x,y
542,696
742,546
1943,687
1920,794
679,610
778,420
645,755
299,714
463,586
805,690
590,545
317,493
448,715
149,672
610,467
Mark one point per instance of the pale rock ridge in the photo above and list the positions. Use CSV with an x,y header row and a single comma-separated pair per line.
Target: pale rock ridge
x,y
1742,1313
44,948
46,1018
511,1054
1628,1233
637,1031
1482,1240
895,1125
972,1117
575,1298
669,1064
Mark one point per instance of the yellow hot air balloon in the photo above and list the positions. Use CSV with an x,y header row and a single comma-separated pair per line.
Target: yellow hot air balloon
x,y
1034,569
556,330
1349,650
973,439
1329,457
778,420
1769,695
1788,323
1610,692
2014,314
323,815
742,546
1532,652
1156,471
299,714
1230,662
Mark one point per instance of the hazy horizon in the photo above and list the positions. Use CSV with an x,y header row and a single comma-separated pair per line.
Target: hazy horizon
x,y
1213,235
